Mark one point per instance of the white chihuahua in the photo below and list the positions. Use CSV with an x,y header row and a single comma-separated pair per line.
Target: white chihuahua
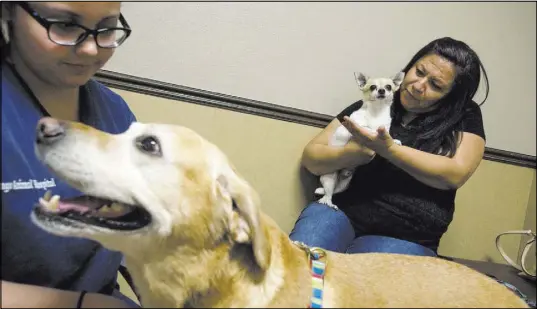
x,y
375,112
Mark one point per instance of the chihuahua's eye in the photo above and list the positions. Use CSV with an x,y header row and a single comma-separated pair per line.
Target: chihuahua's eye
x,y
373,87
149,145
388,87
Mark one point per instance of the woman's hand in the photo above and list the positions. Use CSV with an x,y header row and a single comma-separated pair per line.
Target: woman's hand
x,y
433,170
17,295
380,142
320,158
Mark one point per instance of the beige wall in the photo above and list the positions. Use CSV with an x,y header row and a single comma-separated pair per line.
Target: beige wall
x,y
267,152
529,224
494,200
303,55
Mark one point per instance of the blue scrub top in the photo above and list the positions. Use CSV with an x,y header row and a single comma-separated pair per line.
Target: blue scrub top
x,y
29,254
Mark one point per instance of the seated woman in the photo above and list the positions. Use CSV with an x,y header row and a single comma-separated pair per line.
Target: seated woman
x,y
401,197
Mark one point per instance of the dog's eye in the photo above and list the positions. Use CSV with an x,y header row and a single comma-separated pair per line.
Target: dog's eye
x,y
388,87
373,87
149,145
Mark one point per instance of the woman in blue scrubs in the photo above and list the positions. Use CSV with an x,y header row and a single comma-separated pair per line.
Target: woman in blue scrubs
x,y
50,52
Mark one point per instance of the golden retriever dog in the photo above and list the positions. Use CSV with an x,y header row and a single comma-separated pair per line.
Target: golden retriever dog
x,y
193,235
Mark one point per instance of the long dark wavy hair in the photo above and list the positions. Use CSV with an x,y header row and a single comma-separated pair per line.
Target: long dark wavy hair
x,y
440,130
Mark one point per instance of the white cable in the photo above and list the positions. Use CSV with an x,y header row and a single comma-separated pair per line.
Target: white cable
x,y
529,243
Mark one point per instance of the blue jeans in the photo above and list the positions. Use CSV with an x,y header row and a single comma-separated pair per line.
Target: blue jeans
x,y
321,226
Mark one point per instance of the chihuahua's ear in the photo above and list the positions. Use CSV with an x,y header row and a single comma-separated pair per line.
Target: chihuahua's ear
x,y
244,216
398,79
361,79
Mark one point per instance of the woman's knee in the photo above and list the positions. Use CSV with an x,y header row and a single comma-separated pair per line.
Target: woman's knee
x,y
374,243
321,226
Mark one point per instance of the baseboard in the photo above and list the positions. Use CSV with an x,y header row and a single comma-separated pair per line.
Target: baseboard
x,y
263,109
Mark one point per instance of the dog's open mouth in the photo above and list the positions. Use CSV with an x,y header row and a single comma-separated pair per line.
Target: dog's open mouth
x,y
92,210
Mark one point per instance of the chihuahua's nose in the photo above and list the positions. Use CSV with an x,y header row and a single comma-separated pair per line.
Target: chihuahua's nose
x,y
381,91
49,130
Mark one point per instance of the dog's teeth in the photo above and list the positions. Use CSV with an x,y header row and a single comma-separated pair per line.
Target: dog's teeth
x,y
43,202
111,208
117,207
53,203
105,209
47,195
55,199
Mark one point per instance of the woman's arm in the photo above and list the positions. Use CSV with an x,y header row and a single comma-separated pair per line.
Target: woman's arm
x,y
16,295
434,170
439,171
319,158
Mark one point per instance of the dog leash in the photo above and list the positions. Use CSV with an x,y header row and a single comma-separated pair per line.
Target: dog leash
x,y
317,263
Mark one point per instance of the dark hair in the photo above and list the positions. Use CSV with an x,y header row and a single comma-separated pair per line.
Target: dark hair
x,y
4,44
4,47
439,131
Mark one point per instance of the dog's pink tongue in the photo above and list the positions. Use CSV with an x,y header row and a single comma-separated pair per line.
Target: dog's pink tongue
x,y
66,206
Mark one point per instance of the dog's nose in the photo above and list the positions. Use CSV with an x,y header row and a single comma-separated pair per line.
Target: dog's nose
x,y
49,130
381,91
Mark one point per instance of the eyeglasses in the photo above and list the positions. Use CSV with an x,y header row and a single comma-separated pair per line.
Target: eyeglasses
x,y
71,34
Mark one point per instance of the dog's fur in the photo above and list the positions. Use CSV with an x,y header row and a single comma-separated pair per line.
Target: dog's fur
x,y
209,244
377,100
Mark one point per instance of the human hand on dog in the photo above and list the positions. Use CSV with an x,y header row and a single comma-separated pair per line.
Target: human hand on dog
x,y
380,142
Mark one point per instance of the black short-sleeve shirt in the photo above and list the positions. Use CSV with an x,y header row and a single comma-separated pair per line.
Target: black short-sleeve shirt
x,y
382,199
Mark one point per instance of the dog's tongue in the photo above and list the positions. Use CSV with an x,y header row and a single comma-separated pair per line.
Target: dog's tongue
x,y
67,206
86,204
81,204
107,211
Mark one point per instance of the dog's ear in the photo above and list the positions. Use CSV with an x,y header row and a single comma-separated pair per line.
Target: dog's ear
x,y
244,216
398,79
361,79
